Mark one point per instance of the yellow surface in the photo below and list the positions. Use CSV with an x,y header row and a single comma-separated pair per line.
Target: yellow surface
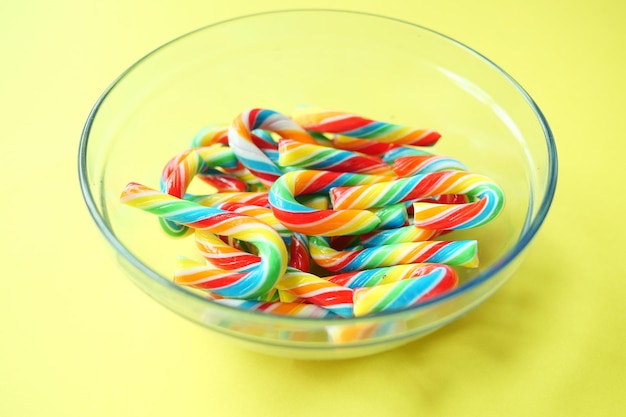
x,y
79,339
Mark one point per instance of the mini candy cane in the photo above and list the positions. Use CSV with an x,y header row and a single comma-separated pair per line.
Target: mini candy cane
x,y
318,291
402,294
224,256
457,253
261,213
345,242
408,166
403,234
300,218
182,169
366,146
223,182
391,216
266,143
206,277
402,151
487,195
316,201
219,134
294,285
271,247
213,133
389,274
249,153
299,255
246,176
301,285
216,133
252,198
328,121
196,275
306,155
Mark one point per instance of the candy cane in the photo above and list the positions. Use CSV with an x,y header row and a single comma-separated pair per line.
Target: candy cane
x,y
388,274
408,166
328,121
249,153
182,169
305,155
224,256
303,219
271,247
457,253
252,198
403,234
402,294
318,291
487,196
366,146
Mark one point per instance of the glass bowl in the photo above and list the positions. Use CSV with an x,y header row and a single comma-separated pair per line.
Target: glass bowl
x,y
375,66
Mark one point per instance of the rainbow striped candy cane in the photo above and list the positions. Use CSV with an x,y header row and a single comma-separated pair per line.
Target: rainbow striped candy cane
x,y
408,166
487,198
252,198
206,277
301,285
300,218
389,274
263,214
249,153
366,146
402,294
456,253
223,182
306,155
222,255
183,168
299,255
271,248
216,133
391,216
318,291
329,121
225,256
403,234
213,133
410,160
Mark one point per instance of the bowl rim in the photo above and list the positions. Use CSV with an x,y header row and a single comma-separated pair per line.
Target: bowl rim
x,y
525,238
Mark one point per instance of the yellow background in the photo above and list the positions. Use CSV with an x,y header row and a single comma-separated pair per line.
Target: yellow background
x,y
79,339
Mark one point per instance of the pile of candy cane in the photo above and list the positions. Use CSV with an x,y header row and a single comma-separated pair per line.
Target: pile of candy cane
x,y
324,185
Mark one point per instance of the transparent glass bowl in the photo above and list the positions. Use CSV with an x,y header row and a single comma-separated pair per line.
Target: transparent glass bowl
x,y
375,66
